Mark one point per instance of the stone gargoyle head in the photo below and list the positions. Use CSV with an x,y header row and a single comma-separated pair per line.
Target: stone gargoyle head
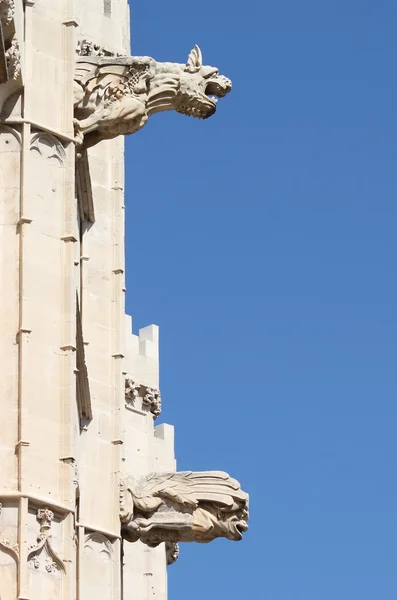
x,y
117,95
183,507
200,87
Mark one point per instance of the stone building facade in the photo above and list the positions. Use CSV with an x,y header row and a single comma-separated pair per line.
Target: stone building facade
x,y
90,503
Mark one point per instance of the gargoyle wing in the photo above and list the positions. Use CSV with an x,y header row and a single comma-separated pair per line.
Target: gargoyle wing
x,y
189,488
96,73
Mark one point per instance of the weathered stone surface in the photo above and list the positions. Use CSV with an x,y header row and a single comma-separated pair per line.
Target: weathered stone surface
x,y
183,507
116,96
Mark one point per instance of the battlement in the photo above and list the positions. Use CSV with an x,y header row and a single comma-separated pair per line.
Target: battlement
x,y
142,353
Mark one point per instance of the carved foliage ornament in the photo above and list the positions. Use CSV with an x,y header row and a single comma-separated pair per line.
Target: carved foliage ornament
x,y
183,507
117,95
43,548
151,398
87,48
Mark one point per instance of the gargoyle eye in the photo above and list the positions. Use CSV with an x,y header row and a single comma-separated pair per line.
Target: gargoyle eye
x,y
211,73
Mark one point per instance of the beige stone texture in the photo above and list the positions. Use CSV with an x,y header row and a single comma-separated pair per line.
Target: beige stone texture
x,y
80,395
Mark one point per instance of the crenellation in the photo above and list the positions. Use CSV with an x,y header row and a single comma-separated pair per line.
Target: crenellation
x,y
80,446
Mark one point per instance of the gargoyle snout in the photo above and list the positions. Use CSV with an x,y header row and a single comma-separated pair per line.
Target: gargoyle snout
x,y
225,84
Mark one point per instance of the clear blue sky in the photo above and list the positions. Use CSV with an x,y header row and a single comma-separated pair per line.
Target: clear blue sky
x,y
263,243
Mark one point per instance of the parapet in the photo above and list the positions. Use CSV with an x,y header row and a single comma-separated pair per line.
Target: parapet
x,y
142,354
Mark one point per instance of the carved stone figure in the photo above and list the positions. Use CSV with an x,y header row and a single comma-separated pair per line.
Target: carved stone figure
x,y
151,397
7,9
13,59
183,507
117,95
171,552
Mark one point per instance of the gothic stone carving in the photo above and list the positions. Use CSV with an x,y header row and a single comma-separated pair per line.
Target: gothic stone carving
x,y
10,57
49,148
13,59
43,548
7,9
116,96
151,398
183,507
87,48
171,552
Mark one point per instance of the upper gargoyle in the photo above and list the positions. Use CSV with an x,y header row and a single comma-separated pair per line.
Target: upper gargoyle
x,y
116,95
183,507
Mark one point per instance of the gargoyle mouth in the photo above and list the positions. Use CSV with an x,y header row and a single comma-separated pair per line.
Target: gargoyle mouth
x,y
240,527
217,87
202,104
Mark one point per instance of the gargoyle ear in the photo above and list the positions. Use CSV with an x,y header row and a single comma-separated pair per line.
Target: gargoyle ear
x,y
195,60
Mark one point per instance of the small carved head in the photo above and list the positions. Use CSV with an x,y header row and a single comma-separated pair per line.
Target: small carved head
x,y
200,87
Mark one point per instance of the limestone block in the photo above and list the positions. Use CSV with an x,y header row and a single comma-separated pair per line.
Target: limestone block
x,y
100,565
9,551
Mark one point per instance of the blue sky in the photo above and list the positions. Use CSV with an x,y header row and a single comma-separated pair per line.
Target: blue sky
x,y
263,243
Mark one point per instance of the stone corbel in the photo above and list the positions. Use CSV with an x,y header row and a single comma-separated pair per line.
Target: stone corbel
x,y
150,397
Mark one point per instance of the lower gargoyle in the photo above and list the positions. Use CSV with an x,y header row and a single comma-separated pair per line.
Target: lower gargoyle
x,y
182,507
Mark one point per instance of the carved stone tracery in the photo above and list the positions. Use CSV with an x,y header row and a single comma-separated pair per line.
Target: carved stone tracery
x,y
43,548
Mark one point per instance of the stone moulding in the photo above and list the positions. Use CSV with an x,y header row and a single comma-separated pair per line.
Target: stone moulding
x,y
182,507
151,397
116,95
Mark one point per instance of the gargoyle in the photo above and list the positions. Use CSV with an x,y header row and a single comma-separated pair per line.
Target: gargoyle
x,y
116,95
182,507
